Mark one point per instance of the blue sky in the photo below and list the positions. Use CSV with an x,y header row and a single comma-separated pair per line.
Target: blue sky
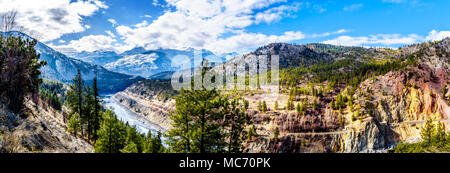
x,y
230,25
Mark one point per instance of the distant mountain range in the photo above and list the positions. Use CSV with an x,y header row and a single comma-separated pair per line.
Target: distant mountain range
x,y
144,63
62,68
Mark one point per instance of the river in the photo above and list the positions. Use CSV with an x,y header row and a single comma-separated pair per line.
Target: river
x,y
124,114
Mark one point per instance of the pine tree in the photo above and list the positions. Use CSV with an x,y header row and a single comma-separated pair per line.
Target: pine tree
x,y
251,132
148,143
88,109
290,105
96,114
112,134
427,132
441,135
246,104
208,107
75,101
19,70
259,106
157,146
276,132
130,148
315,105
180,137
133,137
444,92
264,106
237,120
153,144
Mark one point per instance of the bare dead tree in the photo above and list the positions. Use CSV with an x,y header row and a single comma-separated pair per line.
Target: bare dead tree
x,y
8,20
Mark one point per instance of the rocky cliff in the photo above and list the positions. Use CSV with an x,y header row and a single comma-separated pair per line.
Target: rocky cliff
x,y
150,99
39,130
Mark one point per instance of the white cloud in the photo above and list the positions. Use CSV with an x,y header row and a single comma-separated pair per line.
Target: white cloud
x,y
435,35
156,3
88,43
142,24
277,13
379,39
243,41
387,39
353,7
190,25
326,34
53,18
110,33
113,22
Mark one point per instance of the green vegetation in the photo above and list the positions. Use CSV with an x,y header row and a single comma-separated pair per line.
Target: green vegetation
x,y
434,140
19,71
101,126
264,107
259,106
207,122
276,132
444,92
290,105
251,133
114,136
53,93
354,72
246,104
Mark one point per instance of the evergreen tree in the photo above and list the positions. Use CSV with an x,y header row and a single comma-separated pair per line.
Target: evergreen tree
x,y
315,105
246,104
276,105
444,92
428,132
290,105
180,137
133,137
276,132
441,135
251,132
157,146
75,101
153,144
96,114
112,134
130,148
264,106
237,120
260,106
208,111
19,70
88,109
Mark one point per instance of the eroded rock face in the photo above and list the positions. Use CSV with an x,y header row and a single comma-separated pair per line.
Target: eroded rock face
x,y
148,103
402,103
41,131
292,122
394,108
366,136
